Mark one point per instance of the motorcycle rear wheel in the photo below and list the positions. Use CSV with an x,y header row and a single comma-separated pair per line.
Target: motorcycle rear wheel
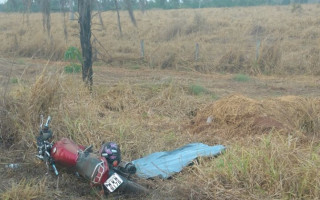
x,y
129,188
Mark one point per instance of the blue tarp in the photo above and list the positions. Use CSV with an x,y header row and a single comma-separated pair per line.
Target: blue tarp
x,y
165,164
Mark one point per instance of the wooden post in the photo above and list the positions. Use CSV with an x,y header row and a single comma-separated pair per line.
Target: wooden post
x,y
142,48
196,56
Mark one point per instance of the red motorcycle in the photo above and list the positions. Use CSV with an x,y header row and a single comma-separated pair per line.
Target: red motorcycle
x,y
105,169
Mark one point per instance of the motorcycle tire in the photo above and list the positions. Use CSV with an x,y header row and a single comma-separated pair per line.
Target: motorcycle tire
x,y
130,188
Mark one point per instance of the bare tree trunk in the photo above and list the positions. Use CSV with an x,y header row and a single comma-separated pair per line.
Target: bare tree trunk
x,y
46,16
71,17
63,4
142,4
14,4
130,10
119,22
84,8
99,13
27,5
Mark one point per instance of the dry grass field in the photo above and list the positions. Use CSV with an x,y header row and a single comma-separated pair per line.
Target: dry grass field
x,y
227,38
265,108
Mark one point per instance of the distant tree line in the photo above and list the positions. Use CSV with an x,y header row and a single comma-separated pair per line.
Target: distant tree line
x,y
104,5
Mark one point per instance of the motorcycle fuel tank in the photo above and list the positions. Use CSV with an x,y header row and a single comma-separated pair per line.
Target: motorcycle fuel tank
x,y
65,152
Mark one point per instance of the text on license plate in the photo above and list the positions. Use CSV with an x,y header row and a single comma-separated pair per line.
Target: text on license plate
x,y
113,182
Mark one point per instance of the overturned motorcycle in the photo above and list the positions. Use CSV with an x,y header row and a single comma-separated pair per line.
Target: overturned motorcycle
x,y
105,169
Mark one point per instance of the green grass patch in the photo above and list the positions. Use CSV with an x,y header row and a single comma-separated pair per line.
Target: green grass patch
x,y
21,61
14,80
135,67
214,96
73,68
198,90
241,78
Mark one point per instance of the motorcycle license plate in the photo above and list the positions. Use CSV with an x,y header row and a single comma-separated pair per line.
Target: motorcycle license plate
x,y
113,182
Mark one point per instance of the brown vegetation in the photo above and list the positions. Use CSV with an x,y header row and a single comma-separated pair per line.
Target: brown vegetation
x,y
269,124
227,37
238,115
272,142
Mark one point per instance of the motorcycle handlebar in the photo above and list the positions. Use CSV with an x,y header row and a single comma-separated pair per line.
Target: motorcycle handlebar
x,y
48,122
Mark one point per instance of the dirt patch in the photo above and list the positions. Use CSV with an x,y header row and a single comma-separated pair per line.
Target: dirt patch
x,y
239,115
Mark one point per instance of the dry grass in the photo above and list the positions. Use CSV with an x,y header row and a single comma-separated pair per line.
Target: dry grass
x,y
272,142
290,41
267,167
25,189
238,115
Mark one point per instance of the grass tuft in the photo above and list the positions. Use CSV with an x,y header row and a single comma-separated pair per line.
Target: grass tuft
x,y
72,68
25,189
14,80
261,169
241,78
195,89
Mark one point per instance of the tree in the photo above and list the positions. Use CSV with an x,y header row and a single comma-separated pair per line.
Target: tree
x,y
46,16
130,10
71,16
99,13
142,4
26,5
118,15
84,9
63,4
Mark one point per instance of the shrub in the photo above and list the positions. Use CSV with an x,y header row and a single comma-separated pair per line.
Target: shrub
x,y
73,55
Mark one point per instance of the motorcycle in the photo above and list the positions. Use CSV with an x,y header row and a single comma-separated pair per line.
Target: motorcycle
x,y
106,169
